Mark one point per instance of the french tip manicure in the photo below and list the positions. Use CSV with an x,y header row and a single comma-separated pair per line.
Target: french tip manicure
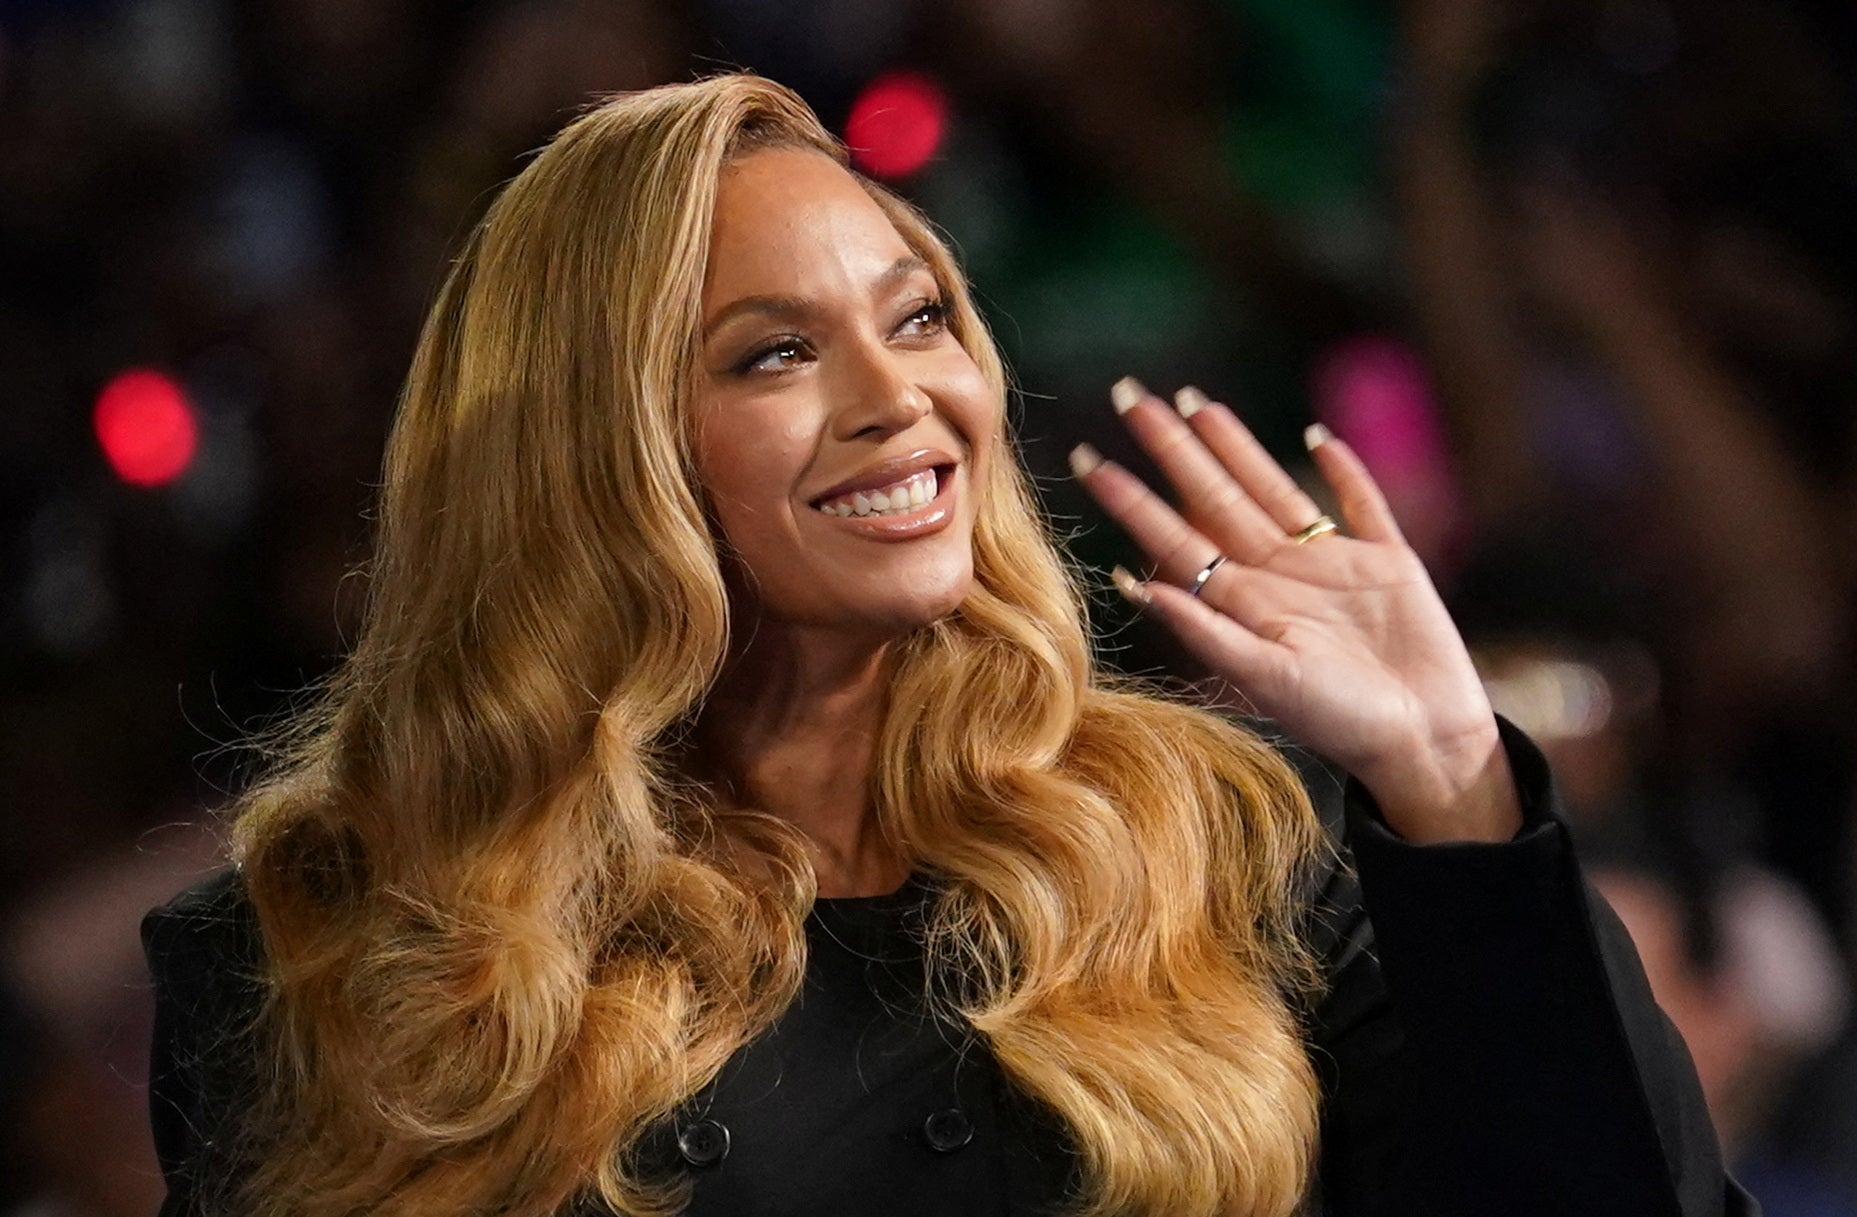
x,y
1084,460
1130,586
1315,435
1190,401
1124,393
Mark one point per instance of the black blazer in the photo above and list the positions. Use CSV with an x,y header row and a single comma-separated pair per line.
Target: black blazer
x,y
1487,1043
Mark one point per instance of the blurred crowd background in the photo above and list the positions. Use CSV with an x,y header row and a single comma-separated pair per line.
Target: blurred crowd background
x,y
1578,277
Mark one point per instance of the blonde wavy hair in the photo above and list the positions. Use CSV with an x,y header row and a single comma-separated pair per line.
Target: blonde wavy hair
x,y
506,934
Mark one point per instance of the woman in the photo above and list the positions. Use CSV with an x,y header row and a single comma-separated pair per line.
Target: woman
x,y
721,807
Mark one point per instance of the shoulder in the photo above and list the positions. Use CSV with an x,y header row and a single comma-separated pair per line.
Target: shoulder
x,y
206,937
207,959
206,956
214,903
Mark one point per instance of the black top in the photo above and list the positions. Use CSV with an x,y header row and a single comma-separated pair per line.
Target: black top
x,y
1487,1045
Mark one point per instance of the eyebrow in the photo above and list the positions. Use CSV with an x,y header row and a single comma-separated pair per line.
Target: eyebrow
x,y
778,305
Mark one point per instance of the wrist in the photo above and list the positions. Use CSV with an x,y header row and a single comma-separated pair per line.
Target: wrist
x,y
1463,791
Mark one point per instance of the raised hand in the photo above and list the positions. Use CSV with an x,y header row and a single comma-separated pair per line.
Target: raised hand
x,y
1340,638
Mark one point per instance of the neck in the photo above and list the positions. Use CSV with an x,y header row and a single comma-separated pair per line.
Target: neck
x,y
791,729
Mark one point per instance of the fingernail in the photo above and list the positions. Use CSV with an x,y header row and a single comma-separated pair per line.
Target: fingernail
x,y
1125,393
1315,435
1084,460
1130,586
1190,401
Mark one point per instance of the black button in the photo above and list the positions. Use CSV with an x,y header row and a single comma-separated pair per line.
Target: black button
x,y
704,1143
948,1130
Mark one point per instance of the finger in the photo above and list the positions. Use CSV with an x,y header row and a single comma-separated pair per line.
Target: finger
x,y
1269,486
1209,493
1363,506
1179,552
1263,669
1177,549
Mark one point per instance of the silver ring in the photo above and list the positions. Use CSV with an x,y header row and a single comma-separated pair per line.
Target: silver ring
x,y
1199,580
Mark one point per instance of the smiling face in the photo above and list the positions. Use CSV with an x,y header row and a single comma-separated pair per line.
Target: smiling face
x,y
842,429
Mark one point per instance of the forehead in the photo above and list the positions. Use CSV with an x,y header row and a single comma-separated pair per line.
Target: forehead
x,y
795,222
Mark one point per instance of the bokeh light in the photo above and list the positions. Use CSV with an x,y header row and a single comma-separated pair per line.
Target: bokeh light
x,y
1374,391
896,124
146,427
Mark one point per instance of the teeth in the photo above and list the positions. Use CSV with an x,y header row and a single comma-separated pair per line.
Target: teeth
x,y
911,492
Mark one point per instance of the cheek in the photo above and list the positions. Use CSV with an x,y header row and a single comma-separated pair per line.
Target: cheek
x,y
748,472
976,413
749,455
965,398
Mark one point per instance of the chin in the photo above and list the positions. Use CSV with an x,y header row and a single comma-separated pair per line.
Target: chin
x,y
920,611
921,603
874,602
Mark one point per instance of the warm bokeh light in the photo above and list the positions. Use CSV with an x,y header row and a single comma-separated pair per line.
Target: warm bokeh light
x,y
146,426
896,124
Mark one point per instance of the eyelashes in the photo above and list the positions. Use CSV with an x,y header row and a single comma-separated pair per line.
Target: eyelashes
x,y
935,312
784,349
926,319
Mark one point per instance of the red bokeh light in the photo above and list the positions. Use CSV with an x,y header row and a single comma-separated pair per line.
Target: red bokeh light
x,y
146,426
896,124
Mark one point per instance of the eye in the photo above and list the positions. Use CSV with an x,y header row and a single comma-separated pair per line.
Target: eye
x,y
775,356
929,317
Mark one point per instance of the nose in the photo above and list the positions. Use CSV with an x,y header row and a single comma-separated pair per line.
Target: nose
x,y
877,393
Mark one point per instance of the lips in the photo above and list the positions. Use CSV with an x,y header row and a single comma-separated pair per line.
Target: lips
x,y
913,491
899,499
880,474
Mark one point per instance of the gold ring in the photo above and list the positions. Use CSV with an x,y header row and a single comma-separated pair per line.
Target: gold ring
x,y
1323,524
1199,580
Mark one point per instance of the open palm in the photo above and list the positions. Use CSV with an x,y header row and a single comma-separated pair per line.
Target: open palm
x,y
1341,639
